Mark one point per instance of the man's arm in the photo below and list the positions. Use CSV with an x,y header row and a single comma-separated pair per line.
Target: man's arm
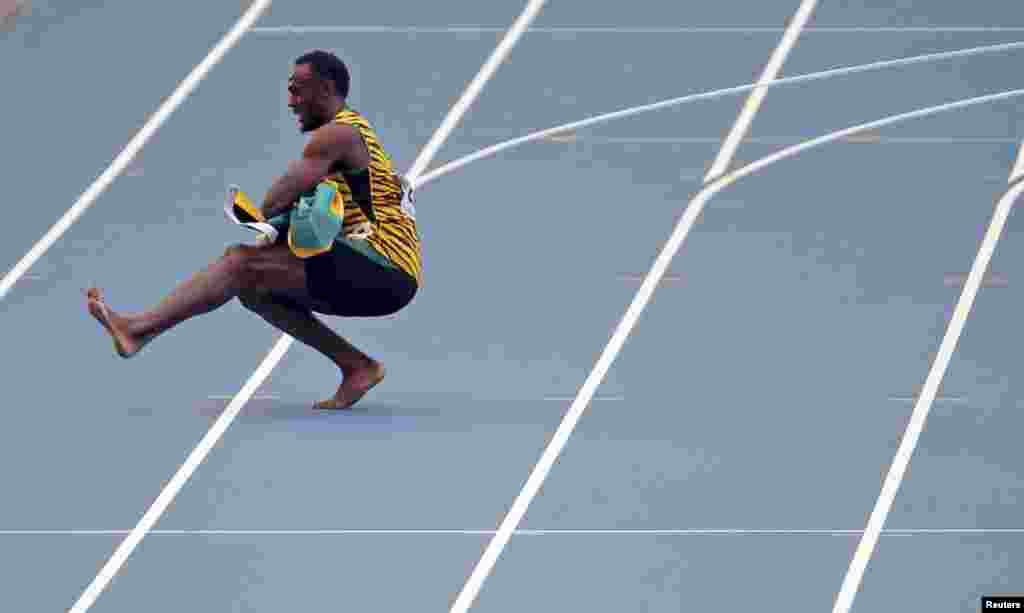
x,y
330,145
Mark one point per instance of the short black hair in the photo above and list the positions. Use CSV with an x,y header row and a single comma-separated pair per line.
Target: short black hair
x,y
328,66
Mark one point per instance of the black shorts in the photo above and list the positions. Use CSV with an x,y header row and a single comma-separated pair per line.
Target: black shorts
x,y
357,281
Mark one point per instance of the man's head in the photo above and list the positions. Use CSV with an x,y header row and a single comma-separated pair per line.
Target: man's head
x,y
317,87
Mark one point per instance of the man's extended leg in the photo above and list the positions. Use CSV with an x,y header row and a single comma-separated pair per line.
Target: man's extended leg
x,y
241,268
359,371
256,273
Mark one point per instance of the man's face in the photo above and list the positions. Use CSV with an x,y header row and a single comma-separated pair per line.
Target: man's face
x,y
307,98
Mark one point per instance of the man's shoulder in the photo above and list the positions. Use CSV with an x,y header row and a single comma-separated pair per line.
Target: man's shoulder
x,y
332,135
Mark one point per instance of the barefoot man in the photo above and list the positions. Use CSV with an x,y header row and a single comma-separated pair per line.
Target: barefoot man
x,y
372,269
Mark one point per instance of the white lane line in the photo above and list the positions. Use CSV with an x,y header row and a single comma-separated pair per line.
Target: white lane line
x,y
756,98
636,277
936,140
524,532
866,546
990,280
565,429
497,148
379,29
193,461
913,398
679,234
872,139
595,398
454,115
256,397
183,91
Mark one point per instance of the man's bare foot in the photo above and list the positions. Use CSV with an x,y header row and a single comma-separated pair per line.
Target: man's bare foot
x,y
353,387
125,344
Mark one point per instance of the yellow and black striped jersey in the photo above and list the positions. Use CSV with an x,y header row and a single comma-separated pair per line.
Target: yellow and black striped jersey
x,y
394,234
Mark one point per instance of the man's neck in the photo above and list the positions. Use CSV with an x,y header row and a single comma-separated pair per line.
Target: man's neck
x,y
337,106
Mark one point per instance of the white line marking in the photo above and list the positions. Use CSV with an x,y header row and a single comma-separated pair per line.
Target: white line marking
x,y
256,397
908,398
664,279
753,103
533,7
940,140
753,167
178,480
990,280
183,91
785,140
937,140
570,398
524,532
621,114
372,29
661,264
640,301
565,429
855,573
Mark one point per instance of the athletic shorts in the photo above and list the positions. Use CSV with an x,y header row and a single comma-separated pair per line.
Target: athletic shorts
x,y
357,281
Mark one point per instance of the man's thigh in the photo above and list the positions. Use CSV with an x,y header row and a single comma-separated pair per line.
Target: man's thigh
x,y
279,275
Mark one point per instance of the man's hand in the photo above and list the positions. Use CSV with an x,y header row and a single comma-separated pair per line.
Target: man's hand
x,y
331,145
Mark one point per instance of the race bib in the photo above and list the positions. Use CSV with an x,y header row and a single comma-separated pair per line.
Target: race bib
x,y
407,198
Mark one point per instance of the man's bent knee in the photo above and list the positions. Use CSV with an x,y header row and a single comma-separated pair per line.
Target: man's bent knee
x,y
243,266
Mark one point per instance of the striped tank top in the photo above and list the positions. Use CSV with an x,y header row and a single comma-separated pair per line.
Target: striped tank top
x,y
394,235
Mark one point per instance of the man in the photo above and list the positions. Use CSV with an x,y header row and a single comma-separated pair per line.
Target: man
x,y
372,269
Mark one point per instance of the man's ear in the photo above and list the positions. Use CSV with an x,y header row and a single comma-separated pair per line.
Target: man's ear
x,y
326,87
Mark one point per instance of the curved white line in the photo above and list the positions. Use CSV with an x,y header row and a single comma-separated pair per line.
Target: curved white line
x,y
372,29
606,117
632,315
486,71
718,184
756,98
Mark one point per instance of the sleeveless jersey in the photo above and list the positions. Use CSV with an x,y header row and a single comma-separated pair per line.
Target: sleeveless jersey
x,y
394,235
